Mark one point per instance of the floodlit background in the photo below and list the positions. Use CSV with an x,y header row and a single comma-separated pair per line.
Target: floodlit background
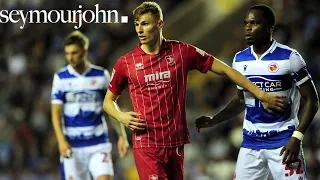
x,y
29,57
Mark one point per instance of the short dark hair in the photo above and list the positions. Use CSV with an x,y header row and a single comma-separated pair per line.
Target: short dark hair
x,y
148,7
268,13
77,37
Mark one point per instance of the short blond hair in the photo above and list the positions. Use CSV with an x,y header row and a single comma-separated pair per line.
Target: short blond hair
x,y
77,37
148,7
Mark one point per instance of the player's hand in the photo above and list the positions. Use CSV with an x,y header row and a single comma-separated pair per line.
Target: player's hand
x,y
205,122
130,120
291,151
123,146
65,149
272,102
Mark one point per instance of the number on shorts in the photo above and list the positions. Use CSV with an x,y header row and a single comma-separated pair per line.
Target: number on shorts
x,y
105,157
291,171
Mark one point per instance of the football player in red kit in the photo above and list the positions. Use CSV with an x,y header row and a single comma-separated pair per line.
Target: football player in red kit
x,y
155,73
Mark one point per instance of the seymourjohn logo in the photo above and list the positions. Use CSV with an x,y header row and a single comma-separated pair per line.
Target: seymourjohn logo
x,y
62,16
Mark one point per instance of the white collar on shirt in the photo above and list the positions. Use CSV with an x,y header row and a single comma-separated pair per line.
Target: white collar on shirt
x,y
74,72
270,50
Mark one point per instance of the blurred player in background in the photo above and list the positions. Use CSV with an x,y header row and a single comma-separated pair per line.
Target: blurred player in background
x,y
156,74
271,142
77,93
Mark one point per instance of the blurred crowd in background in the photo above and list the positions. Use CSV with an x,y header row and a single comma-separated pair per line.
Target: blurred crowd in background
x,y
29,57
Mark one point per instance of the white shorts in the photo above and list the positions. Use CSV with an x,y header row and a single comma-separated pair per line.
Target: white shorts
x,y
87,162
257,165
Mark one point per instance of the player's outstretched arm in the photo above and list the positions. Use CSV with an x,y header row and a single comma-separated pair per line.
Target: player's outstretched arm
x,y
64,146
234,107
128,119
311,104
269,101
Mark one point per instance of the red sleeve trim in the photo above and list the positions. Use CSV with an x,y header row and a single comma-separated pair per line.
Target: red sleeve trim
x,y
209,64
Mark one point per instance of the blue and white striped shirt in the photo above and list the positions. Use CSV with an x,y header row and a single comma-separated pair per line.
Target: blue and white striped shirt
x,y
280,70
82,98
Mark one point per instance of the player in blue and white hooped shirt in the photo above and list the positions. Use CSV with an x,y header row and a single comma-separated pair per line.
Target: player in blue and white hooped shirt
x,y
271,140
78,119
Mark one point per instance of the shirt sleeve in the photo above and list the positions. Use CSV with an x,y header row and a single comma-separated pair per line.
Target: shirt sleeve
x,y
57,95
107,77
298,70
119,80
235,67
199,59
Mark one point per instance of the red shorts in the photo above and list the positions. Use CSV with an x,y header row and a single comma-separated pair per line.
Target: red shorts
x,y
159,163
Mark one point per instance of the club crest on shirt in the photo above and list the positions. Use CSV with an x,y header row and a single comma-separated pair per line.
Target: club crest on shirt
x,y
93,82
273,67
153,177
139,66
170,60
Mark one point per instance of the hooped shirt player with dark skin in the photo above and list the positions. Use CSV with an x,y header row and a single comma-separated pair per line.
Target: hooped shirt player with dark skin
x,y
272,142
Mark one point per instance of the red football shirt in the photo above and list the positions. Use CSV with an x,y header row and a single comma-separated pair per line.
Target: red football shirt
x,y
157,86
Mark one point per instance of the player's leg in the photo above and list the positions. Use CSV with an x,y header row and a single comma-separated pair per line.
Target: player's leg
x,y
100,163
151,163
280,170
251,165
176,168
75,167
